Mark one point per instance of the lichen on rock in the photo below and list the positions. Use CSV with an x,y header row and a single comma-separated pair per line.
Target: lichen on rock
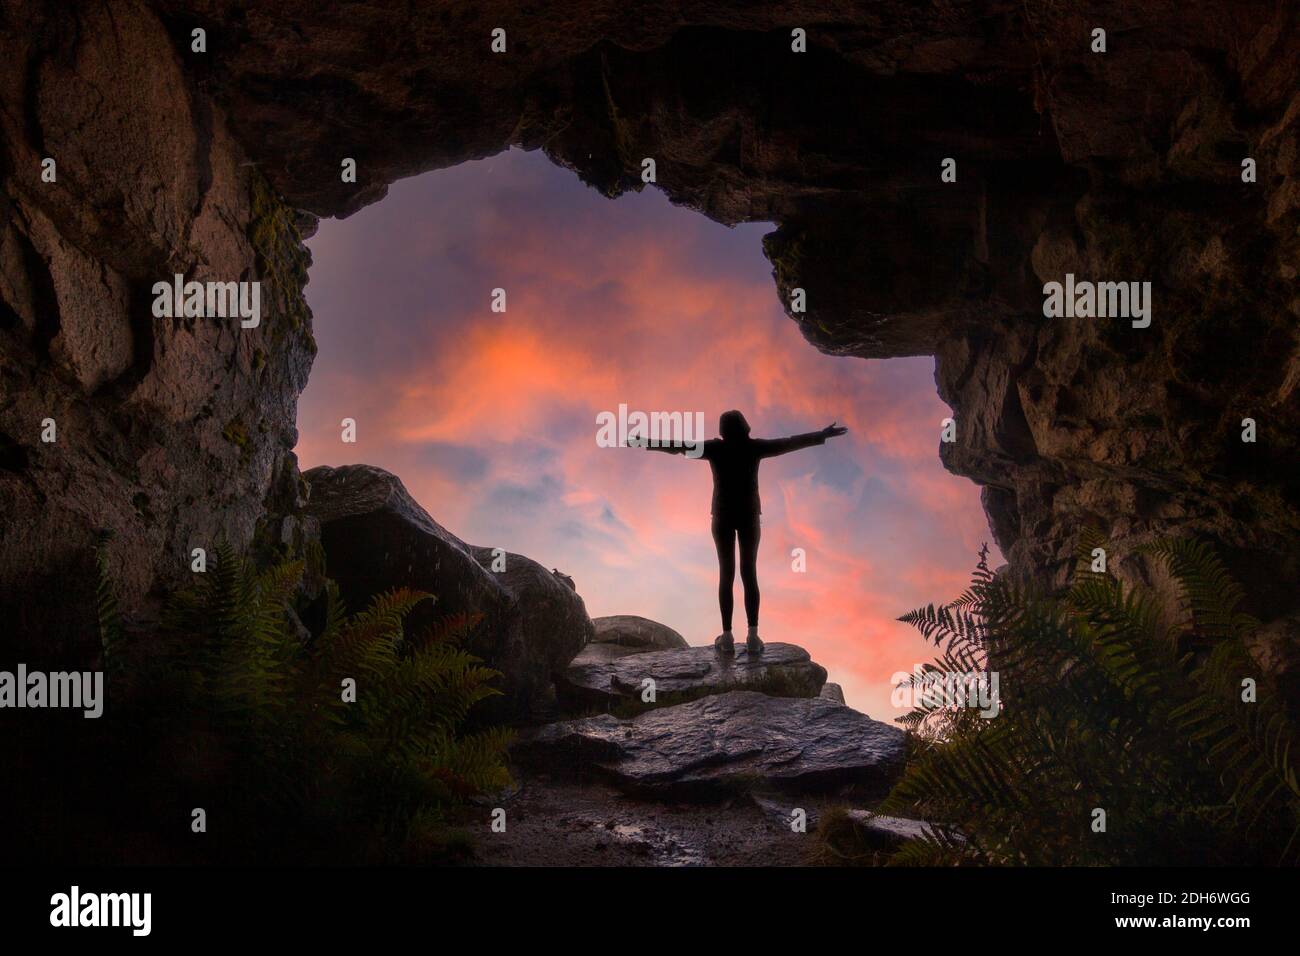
x,y
282,260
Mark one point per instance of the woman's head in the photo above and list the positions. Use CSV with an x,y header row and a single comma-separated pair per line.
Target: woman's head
x,y
732,426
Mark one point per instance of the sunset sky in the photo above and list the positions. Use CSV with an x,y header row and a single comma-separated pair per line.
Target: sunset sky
x,y
490,419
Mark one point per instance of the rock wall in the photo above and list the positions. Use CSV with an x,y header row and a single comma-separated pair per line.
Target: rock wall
x,y
171,433
1123,166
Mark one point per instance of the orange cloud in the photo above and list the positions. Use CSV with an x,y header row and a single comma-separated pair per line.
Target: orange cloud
x,y
660,311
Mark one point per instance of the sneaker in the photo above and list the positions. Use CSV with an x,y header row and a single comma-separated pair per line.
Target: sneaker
x,y
725,644
754,645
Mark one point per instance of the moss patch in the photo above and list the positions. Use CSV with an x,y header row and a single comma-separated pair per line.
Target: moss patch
x,y
282,262
236,432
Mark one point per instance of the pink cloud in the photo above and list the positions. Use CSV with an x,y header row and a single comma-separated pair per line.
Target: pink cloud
x,y
656,310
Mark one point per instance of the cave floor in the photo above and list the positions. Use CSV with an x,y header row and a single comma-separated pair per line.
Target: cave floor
x,y
561,822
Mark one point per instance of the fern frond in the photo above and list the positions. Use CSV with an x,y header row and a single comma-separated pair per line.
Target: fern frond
x,y
1105,711
107,613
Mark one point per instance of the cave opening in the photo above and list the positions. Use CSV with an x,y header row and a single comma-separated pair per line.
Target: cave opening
x,y
490,417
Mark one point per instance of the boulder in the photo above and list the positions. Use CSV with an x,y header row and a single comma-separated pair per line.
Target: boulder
x,y
639,633
622,635
549,620
691,671
832,692
724,743
376,537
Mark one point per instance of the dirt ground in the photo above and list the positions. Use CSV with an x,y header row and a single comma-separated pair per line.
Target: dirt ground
x,y
554,822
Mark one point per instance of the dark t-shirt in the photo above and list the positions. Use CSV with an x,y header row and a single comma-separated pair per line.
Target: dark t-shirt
x,y
735,470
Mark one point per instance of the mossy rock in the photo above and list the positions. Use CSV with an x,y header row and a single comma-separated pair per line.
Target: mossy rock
x,y
282,261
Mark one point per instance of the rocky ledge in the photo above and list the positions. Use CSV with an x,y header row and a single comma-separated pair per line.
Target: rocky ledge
x,y
725,743
689,672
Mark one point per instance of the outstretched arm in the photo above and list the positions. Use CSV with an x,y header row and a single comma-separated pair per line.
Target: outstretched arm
x,y
678,448
771,447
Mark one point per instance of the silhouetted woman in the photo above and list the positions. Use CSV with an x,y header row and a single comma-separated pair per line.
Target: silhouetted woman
x,y
734,459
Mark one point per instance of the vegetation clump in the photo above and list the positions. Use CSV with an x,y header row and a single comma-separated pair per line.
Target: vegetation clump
x,y
282,261
346,746
1122,739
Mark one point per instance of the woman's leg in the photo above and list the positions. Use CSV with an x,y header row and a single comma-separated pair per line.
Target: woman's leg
x,y
724,539
749,533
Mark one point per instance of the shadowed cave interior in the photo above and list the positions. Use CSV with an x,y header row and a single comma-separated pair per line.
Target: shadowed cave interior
x,y
1123,166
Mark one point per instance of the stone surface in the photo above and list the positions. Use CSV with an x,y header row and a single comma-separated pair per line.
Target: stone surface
x,y
376,537
876,831
173,434
622,635
783,668
832,692
888,833
583,821
737,740
638,633
1122,166
548,621
603,653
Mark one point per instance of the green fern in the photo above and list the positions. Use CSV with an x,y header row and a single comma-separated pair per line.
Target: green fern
x,y
1104,706
261,714
107,613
